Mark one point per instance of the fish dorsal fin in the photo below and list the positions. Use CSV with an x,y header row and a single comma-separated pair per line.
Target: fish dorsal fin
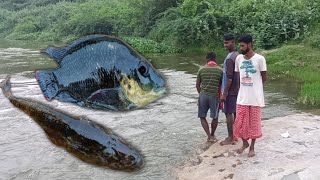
x,y
84,41
56,53
59,53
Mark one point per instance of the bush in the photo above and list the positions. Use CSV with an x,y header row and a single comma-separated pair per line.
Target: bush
x,y
194,23
149,46
271,22
178,23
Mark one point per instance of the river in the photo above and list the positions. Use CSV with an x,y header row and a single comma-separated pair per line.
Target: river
x,y
167,132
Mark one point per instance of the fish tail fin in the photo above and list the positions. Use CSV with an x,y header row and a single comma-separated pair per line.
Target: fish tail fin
x,y
48,84
6,87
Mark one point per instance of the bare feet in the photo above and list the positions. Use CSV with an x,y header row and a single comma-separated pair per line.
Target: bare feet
x,y
227,141
251,153
244,146
212,139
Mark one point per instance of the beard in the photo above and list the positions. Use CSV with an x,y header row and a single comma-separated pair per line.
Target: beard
x,y
244,52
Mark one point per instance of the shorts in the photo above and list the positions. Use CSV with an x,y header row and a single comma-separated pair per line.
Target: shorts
x,y
207,102
230,105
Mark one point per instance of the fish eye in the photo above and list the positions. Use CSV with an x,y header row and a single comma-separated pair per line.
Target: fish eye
x,y
143,69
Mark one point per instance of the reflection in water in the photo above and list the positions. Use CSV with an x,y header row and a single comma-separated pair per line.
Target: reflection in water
x,y
179,62
18,60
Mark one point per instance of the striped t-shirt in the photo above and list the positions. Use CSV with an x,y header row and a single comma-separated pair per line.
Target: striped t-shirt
x,y
210,78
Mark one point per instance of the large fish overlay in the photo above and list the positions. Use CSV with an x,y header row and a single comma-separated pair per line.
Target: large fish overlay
x,y
102,72
85,139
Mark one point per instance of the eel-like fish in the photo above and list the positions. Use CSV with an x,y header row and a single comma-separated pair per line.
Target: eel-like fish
x,y
85,139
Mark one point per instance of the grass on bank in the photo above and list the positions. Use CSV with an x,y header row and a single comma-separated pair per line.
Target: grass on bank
x,y
301,63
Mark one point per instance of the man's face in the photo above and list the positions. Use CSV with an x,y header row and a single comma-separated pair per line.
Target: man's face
x,y
228,44
245,48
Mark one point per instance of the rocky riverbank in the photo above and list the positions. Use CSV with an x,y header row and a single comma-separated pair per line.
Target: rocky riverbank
x,y
277,156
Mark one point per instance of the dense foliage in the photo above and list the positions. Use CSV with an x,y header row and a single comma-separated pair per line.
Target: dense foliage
x,y
169,26
178,23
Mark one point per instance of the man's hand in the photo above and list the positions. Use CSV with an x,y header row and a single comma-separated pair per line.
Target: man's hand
x,y
224,97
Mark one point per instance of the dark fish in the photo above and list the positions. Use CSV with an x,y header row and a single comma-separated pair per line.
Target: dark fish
x,y
101,72
85,139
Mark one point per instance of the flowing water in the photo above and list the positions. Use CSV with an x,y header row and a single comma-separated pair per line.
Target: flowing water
x,y
167,132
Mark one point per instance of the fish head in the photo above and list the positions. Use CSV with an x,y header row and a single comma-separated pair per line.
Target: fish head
x,y
144,84
119,155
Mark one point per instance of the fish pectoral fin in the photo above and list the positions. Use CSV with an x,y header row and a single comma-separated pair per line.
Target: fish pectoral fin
x,y
107,98
105,95
67,97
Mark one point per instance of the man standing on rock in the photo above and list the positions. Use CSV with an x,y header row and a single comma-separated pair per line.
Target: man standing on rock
x,y
230,86
208,86
252,69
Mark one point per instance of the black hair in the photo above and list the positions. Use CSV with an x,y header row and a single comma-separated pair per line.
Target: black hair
x,y
246,38
211,56
228,37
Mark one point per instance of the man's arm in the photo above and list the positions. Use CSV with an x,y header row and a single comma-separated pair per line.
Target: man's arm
x,y
230,74
263,69
198,83
264,76
237,74
220,81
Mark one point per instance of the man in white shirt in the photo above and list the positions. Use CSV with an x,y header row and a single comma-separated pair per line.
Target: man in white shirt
x,y
252,70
